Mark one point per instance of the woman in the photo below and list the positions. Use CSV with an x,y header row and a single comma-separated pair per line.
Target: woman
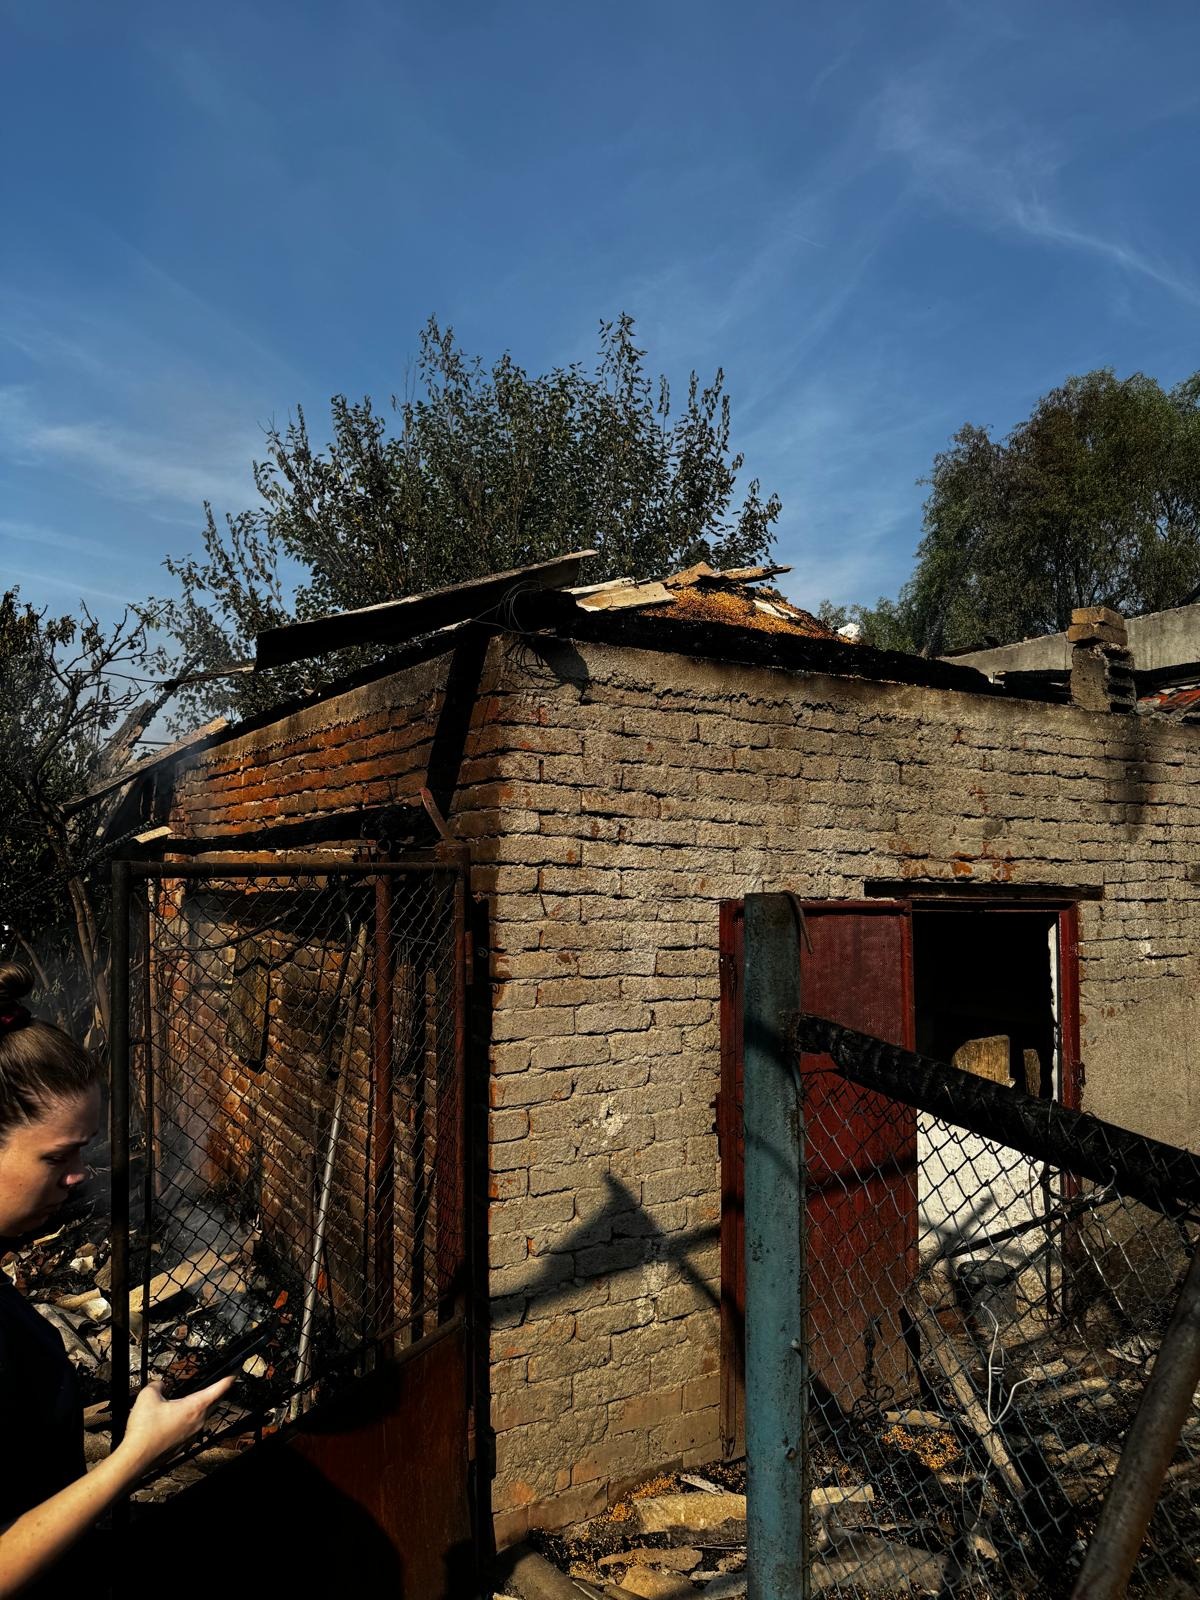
x,y
49,1111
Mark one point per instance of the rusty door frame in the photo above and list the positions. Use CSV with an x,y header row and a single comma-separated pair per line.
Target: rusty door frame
x,y
728,1106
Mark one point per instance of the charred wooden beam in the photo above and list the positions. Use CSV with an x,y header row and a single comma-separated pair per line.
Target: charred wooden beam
x,y
1051,896
721,641
1161,1176
414,615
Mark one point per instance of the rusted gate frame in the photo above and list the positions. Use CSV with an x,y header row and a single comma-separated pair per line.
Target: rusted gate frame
x,y
383,1130
449,1170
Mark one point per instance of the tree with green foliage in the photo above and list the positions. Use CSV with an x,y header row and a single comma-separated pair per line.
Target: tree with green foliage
x,y
1094,499
72,709
884,625
488,469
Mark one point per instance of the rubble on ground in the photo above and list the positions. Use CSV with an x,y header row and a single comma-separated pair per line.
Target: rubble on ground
x,y
889,1517
188,1311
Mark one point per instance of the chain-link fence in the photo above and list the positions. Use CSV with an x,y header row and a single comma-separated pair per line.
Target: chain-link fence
x,y
291,1083
980,1326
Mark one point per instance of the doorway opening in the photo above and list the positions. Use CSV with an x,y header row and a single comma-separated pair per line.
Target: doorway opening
x,y
986,993
987,999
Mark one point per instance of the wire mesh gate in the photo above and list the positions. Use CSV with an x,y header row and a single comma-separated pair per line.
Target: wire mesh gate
x,y
981,1327
288,1126
972,1317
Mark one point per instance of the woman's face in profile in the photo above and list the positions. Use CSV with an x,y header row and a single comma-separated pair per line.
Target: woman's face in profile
x,y
41,1162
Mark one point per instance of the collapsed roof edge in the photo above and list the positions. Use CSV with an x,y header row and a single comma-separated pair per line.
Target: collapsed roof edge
x,y
397,621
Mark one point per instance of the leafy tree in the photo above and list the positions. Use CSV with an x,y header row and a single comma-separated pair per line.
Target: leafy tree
x,y
1094,499
883,625
71,713
487,470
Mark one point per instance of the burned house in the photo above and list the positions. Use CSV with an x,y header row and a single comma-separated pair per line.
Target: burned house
x,y
986,871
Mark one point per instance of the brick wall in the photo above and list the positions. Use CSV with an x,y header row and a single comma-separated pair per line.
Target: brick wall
x,y
367,747
610,809
221,1121
626,802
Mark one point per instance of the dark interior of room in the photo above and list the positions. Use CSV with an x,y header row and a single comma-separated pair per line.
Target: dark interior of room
x,y
985,972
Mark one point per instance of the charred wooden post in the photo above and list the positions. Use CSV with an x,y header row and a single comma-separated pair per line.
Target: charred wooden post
x,y
776,1345
383,1137
1149,1446
1159,1175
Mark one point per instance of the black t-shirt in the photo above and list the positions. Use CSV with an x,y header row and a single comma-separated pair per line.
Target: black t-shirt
x,y
41,1413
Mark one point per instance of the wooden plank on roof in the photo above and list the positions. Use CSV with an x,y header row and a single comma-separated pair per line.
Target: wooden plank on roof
x,y
395,621
626,597
746,574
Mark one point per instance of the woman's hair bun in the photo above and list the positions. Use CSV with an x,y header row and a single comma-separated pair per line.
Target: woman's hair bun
x,y
16,981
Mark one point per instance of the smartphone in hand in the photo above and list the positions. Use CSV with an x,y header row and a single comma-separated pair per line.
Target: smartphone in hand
x,y
229,1358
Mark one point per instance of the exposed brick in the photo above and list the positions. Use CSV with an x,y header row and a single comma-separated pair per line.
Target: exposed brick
x,y
574,1505
610,1382
645,1410
510,1527
605,829
537,1334
535,1022
505,1125
606,1018
685,1432
618,1455
532,1403
576,1051
701,1393
564,1360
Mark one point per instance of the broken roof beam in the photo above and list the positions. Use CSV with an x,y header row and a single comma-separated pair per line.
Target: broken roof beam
x,y
188,745
397,621
701,573
623,595
744,574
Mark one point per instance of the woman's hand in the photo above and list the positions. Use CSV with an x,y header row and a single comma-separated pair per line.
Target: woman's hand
x,y
39,1536
158,1425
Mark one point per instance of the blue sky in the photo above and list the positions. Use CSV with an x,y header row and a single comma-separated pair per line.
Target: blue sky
x,y
882,220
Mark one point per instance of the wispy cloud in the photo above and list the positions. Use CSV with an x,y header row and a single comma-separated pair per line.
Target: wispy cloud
x,y
1040,220
15,532
53,580
133,466
1003,175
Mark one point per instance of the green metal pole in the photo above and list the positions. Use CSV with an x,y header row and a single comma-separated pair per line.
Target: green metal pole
x,y
776,1341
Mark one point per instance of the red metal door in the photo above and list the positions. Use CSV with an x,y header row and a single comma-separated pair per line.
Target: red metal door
x,y
367,1496
861,1154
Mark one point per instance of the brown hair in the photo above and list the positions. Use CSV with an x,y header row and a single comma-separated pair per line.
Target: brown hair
x,y
38,1061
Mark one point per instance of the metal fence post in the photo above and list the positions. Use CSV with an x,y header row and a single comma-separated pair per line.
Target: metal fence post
x,y
1149,1446
118,1102
776,1348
